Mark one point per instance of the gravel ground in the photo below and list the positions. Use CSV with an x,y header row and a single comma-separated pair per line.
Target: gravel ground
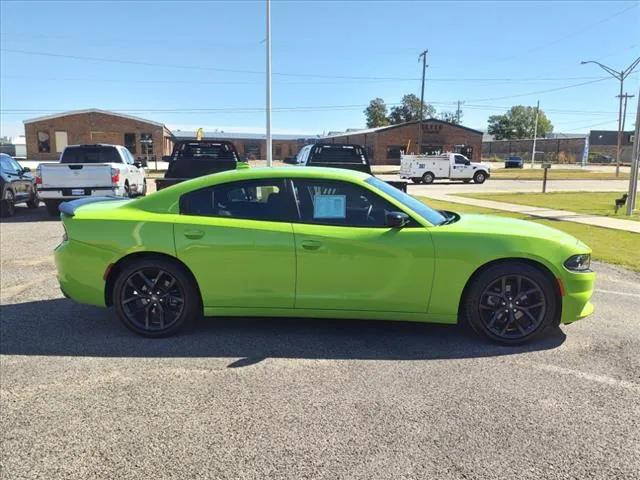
x,y
83,398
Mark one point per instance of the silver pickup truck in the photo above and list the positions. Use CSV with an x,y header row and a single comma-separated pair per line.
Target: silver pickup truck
x,y
90,170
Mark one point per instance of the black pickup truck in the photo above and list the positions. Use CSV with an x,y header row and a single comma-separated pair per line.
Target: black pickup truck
x,y
344,155
195,158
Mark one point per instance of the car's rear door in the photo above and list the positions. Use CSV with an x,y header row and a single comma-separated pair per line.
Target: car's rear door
x,y
237,239
348,259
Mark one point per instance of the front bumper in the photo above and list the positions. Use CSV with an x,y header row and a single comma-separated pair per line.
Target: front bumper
x,y
576,301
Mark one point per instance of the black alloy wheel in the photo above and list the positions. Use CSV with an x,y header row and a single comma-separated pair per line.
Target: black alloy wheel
x,y
155,297
512,306
511,303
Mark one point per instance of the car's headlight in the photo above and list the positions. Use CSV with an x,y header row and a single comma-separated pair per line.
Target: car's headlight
x,y
579,263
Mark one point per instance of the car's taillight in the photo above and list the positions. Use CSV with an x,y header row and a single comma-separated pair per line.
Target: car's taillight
x,y
39,175
115,175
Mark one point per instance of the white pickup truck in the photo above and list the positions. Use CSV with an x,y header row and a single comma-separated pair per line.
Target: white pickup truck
x,y
427,168
90,170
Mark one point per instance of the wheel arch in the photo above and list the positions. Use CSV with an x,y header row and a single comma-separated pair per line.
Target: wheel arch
x,y
117,267
501,261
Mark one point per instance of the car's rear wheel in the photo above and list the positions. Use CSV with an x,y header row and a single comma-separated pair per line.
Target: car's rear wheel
x,y
155,297
428,177
8,206
511,303
34,201
479,177
52,207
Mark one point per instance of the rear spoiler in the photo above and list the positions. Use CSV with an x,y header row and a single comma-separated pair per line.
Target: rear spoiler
x,y
69,208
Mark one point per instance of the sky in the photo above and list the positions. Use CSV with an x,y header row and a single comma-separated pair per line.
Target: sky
x,y
202,64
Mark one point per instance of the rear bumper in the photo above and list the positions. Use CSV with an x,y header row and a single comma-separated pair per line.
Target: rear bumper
x,y
576,302
80,271
68,193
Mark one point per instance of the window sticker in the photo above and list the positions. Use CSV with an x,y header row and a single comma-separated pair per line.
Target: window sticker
x,y
330,206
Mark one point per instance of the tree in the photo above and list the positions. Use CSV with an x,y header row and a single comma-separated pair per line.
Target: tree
x,y
376,113
451,117
518,122
409,110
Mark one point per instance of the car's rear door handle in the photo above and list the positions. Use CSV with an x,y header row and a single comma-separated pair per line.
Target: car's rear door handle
x,y
311,244
194,234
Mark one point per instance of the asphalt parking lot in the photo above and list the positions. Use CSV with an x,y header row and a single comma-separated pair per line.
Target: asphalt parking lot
x,y
82,397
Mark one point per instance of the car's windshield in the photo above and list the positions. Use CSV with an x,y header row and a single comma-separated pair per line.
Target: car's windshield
x,y
429,214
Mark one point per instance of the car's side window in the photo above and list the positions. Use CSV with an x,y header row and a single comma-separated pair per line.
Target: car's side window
x,y
266,200
333,202
460,160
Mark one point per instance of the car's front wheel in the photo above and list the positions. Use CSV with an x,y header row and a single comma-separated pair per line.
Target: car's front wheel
x,y
155,297
511,303
479,177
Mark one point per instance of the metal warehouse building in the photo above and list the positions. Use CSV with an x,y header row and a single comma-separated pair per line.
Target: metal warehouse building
x,y
384,144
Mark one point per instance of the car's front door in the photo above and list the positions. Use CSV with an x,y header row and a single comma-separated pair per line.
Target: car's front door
x,y
348,259
237,239
460,167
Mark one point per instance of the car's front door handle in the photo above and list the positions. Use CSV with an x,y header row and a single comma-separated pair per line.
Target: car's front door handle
x,y
194,234
311,244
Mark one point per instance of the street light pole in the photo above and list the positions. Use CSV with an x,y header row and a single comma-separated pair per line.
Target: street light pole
x,y
635,165
268,140
535,135
422,56
620,76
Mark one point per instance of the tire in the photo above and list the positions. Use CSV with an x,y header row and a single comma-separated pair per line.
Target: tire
x,y
428,178
144,188
496,303
127,190
8,205
148,313
34,202
416,180
52,207
479,177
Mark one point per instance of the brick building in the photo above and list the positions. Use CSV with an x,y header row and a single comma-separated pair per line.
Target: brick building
x,y
46,137
253,146
384,144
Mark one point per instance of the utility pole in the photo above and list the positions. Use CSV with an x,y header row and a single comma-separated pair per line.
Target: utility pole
x,y
626,96
422,56
458,112
535,134
620,76
635,165
269,147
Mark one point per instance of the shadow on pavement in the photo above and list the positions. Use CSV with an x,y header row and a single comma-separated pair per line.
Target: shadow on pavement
x,y
62,327
25,215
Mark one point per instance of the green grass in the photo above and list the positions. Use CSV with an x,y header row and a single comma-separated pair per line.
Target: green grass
x,y
536,173
611,246
586,203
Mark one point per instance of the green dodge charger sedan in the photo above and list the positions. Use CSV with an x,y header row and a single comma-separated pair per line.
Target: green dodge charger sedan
x,y
317,242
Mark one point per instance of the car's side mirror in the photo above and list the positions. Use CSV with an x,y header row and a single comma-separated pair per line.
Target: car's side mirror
x,y
166,158
25,169
397,219
138,164
468,162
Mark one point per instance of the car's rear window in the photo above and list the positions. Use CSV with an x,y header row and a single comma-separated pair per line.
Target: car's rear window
x,y
90,155
206,151
337,154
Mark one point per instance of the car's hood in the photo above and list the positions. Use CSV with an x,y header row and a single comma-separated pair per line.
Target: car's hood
x,y
492,225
